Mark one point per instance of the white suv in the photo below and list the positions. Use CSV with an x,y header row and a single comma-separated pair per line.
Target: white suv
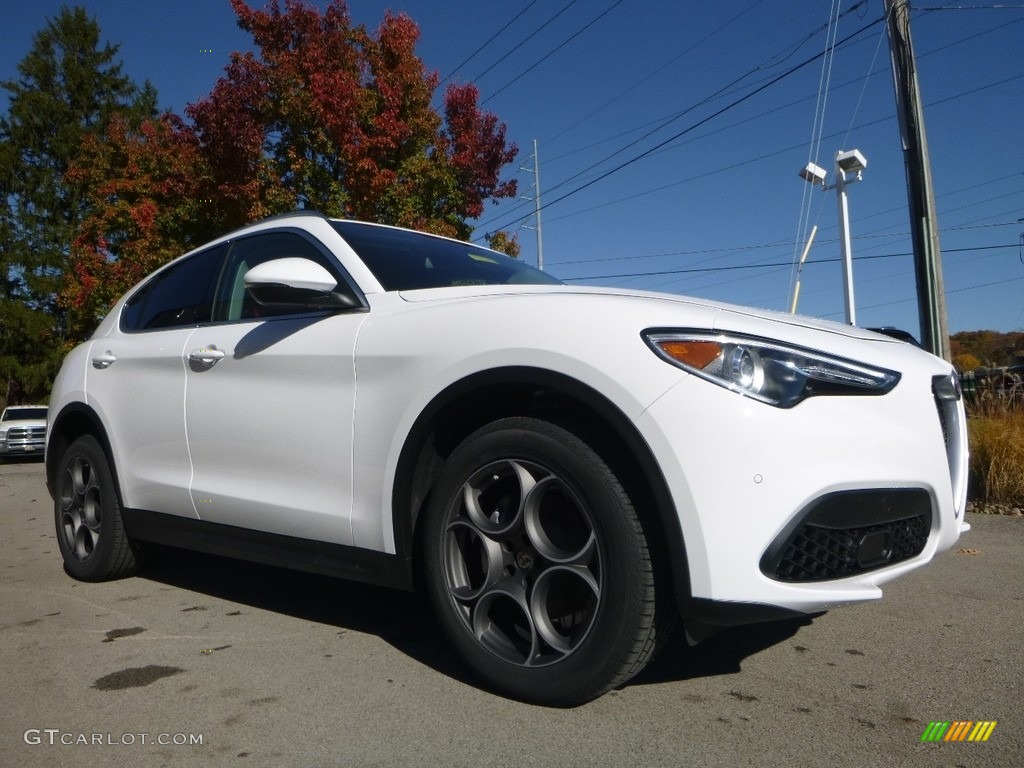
x,y
568,468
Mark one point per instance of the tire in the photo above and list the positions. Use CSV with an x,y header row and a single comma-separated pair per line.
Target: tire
x,y
537,566
87,511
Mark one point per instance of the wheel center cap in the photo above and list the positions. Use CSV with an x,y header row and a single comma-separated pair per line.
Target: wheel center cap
x,y
524,560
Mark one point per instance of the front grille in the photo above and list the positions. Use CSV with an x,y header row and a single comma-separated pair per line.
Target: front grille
x,y
946,390
943,420
24,439
851,532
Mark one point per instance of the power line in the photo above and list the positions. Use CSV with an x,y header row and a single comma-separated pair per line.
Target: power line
x,y
691,127
498,214
954,290
767,265
888,277
765,155
834,88
813,150
999,7
725,251
490,40
526,39
721,92
555,50
633,86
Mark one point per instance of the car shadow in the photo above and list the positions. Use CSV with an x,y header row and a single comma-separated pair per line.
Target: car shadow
x,y
21,458
721,654
404,619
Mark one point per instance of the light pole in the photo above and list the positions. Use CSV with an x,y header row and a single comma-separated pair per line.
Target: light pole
x,y
849,167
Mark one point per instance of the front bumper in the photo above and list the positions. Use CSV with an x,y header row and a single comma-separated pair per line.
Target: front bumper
x,y
809,508
23,447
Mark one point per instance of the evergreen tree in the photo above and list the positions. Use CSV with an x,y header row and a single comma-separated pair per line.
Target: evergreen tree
x,y
69,86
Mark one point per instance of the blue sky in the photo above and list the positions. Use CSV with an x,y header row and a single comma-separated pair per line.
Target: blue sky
x,y
707,201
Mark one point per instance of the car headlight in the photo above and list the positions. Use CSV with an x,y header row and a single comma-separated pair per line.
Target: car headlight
x,y
772,372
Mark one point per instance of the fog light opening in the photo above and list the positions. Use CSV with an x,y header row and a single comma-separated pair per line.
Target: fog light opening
x,y
874,549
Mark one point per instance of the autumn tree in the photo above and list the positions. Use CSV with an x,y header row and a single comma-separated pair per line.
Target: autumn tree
x,y
149,190
502,241
331,117
69,87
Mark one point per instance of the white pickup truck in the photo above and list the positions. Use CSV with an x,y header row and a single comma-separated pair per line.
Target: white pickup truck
x,y
23,431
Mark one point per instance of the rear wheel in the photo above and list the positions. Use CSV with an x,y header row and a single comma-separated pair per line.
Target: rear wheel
x,y
87,512
537,565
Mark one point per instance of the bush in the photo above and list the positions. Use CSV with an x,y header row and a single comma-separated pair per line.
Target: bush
x,y
996,433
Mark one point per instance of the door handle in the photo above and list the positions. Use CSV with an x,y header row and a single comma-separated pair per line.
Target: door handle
x,y
206,355
104,360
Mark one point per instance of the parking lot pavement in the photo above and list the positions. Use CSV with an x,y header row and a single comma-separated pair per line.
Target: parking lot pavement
x,y
203,661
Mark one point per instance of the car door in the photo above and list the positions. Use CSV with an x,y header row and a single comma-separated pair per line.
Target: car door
x,y
269,405
136,383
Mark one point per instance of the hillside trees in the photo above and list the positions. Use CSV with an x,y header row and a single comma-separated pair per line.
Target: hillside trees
x,y
986,348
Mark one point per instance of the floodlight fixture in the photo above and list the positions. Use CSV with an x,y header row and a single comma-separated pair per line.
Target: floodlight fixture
x,y
851,161
813,174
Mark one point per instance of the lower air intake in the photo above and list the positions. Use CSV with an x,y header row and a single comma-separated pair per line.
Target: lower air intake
x,y
851,532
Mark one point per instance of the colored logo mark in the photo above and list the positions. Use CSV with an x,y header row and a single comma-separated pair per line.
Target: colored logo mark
x,y
959,730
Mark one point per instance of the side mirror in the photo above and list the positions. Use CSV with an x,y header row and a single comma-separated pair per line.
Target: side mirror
x,y
297,282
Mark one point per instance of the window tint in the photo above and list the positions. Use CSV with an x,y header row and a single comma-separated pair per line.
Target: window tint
x,y
403,260
22,414
179,296
233,301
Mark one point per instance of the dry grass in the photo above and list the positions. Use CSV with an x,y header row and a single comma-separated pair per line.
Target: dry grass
x,y
996,430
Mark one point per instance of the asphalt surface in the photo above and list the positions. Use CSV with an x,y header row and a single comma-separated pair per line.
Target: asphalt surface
x,y
270,668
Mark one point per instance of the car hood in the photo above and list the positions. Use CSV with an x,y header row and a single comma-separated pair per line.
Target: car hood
x,y
725,310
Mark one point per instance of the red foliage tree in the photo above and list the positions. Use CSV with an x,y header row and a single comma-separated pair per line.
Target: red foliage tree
x,y
146,187
331,117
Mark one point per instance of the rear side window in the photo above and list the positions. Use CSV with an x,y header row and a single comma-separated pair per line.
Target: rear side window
x,y
180,296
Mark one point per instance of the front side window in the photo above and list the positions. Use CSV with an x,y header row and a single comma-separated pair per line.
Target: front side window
x,y
403,261
233,301
180,296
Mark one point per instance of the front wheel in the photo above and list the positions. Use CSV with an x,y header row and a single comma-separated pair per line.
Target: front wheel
x,y
87,513
537,565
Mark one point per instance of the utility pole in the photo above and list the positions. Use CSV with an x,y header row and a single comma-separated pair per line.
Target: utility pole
x,y
536,206
931,296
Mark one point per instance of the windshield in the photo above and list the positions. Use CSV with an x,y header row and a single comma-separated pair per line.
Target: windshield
x,y
402,260
23,414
